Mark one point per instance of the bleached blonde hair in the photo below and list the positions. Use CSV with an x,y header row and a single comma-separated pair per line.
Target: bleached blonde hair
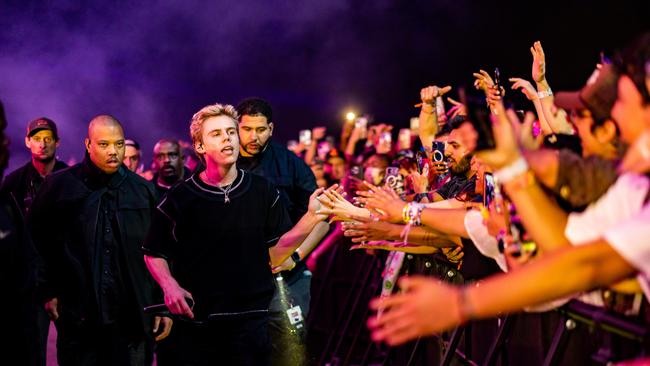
x,y
212,110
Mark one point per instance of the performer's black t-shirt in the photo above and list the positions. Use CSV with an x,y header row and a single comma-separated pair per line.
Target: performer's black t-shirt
x,y
218,247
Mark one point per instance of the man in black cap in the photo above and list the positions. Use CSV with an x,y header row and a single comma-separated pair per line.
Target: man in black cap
x,y
21,186
42,140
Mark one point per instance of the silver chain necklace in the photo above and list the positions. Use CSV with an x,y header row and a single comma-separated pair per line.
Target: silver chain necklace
x,y
226,191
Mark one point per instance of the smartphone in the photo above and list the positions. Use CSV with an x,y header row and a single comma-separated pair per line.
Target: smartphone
x,y
497,79
438,149
357,172
419,159
361,122
305,137
386,137
488,189
393,178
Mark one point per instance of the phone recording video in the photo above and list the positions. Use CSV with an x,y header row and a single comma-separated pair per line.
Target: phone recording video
x,y
438,149
488,189
305,137
357,172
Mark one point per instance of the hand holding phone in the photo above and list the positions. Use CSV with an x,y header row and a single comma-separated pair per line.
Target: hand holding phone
x,y
305,137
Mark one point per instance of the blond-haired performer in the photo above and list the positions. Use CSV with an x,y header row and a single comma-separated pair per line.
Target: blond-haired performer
x,y
220,231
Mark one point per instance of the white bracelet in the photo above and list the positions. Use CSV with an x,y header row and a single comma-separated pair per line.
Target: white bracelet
x,y
544,93
508,173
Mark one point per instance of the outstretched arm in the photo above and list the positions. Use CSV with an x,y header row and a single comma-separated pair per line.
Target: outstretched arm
x,y
427,307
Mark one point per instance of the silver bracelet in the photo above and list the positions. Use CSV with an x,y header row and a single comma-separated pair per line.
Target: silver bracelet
x,y
544,93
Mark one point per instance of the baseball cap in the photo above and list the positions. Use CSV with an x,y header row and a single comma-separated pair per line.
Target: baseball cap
x,y
133,143
598,95
42,123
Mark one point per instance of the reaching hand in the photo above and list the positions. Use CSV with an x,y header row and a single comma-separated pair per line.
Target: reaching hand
x,y
483,80
395,246
384,201
366,229
334,203
454,255
315,206
458,108
539,62
526,87
429,94
524,132
287,265
507,146
420,182
318,133
424,308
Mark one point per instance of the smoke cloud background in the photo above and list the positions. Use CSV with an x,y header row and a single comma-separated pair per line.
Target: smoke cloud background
x,y
152,64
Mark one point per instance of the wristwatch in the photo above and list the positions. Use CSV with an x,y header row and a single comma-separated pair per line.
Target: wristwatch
x,y
419,196
295,256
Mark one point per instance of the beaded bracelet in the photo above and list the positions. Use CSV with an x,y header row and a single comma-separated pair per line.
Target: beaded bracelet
x,y
411,213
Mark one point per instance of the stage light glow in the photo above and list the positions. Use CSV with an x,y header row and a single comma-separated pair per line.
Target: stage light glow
x,y
350,116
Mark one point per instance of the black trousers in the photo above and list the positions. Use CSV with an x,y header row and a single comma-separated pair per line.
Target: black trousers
x,y
232,342
114,344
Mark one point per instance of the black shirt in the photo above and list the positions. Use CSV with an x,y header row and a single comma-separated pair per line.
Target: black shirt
x,y
24,182
218,250
287,172
111,290
457,185
68,220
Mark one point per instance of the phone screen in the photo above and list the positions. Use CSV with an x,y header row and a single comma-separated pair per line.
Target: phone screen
x,y
438,151
357,172
305,137
488,189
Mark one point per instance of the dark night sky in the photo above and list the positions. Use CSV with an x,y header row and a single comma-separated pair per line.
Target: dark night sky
x,y
153,64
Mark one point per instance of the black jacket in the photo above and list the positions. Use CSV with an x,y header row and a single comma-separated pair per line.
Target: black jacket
x,y
22,184
288,173
63,220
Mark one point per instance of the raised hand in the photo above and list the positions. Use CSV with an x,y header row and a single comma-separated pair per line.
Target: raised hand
x,y
458,108
483,80
429,94
539,62
507,144
384,201
526,87
318,133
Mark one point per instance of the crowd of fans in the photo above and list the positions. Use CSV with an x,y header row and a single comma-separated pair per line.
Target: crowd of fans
x,y
481,208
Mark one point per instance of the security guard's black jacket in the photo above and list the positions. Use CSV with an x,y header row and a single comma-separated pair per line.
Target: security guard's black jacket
x,y
89,227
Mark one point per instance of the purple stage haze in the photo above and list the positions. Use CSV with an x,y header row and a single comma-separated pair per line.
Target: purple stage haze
x,y
152,64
